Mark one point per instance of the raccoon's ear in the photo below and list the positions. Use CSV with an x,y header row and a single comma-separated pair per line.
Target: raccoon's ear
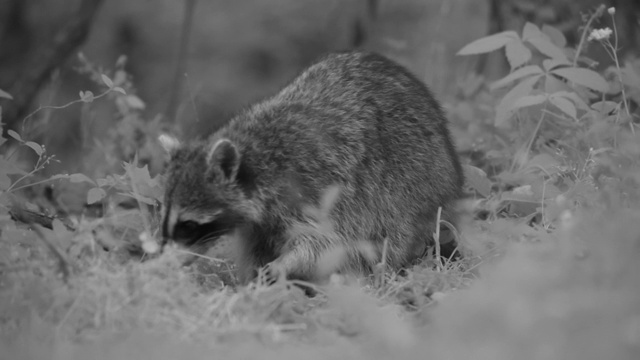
x,y
169,143
224,157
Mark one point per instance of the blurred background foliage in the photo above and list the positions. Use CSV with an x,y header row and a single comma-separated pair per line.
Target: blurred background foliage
x,y
238,52
241,51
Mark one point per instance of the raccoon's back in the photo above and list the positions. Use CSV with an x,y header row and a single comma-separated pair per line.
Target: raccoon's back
x,y
402,127
351,118
361,81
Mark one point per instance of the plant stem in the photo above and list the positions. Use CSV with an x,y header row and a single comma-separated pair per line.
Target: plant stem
x,y
614,50
12,187
533,136
32,184
53,107
583,37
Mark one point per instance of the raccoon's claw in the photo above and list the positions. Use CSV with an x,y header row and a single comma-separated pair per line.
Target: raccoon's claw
x,y
272,272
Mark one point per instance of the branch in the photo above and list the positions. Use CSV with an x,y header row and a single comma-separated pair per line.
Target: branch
x,y
26,216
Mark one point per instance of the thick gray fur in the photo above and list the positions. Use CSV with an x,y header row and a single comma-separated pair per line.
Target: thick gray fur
x,y
356,120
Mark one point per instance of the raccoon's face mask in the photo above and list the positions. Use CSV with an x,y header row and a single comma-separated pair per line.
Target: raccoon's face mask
x,y
202,198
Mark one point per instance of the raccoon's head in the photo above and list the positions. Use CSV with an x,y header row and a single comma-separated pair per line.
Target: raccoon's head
x,y
207,193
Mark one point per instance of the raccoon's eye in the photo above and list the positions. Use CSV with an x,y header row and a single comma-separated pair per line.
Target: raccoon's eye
x,y
188,225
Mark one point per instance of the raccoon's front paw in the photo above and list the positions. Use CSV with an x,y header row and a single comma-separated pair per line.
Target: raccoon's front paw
x,y
272,272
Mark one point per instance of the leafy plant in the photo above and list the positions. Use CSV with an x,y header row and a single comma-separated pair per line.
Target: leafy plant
x,y
557,126
68,239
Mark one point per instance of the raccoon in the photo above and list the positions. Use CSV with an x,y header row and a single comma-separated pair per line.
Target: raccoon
x,y
355,120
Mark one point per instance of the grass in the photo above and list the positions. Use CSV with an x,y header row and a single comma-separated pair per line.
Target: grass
x,y
573,295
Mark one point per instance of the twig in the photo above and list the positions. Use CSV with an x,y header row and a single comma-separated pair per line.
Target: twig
x,y
183,49
27,216
382,265
436,238
534,135
58,107
583,37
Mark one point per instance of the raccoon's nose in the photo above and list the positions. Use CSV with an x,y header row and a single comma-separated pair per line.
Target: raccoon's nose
x,y
164,241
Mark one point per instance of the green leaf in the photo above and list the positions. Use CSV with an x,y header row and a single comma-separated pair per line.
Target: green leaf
x,y
14,135
489,43
548,48
530,31
542,162
556,36
108,181
120,76
528,100
86,96
564,105
503,110
107,81
134,102
577,100
544,190
477,179
141,198
605,107
554,84
550,64
78,178
584,77
521,193
120,90
142,184
516,75
140,175
517,54
36,147
6,95
58,176
95,194
543,43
